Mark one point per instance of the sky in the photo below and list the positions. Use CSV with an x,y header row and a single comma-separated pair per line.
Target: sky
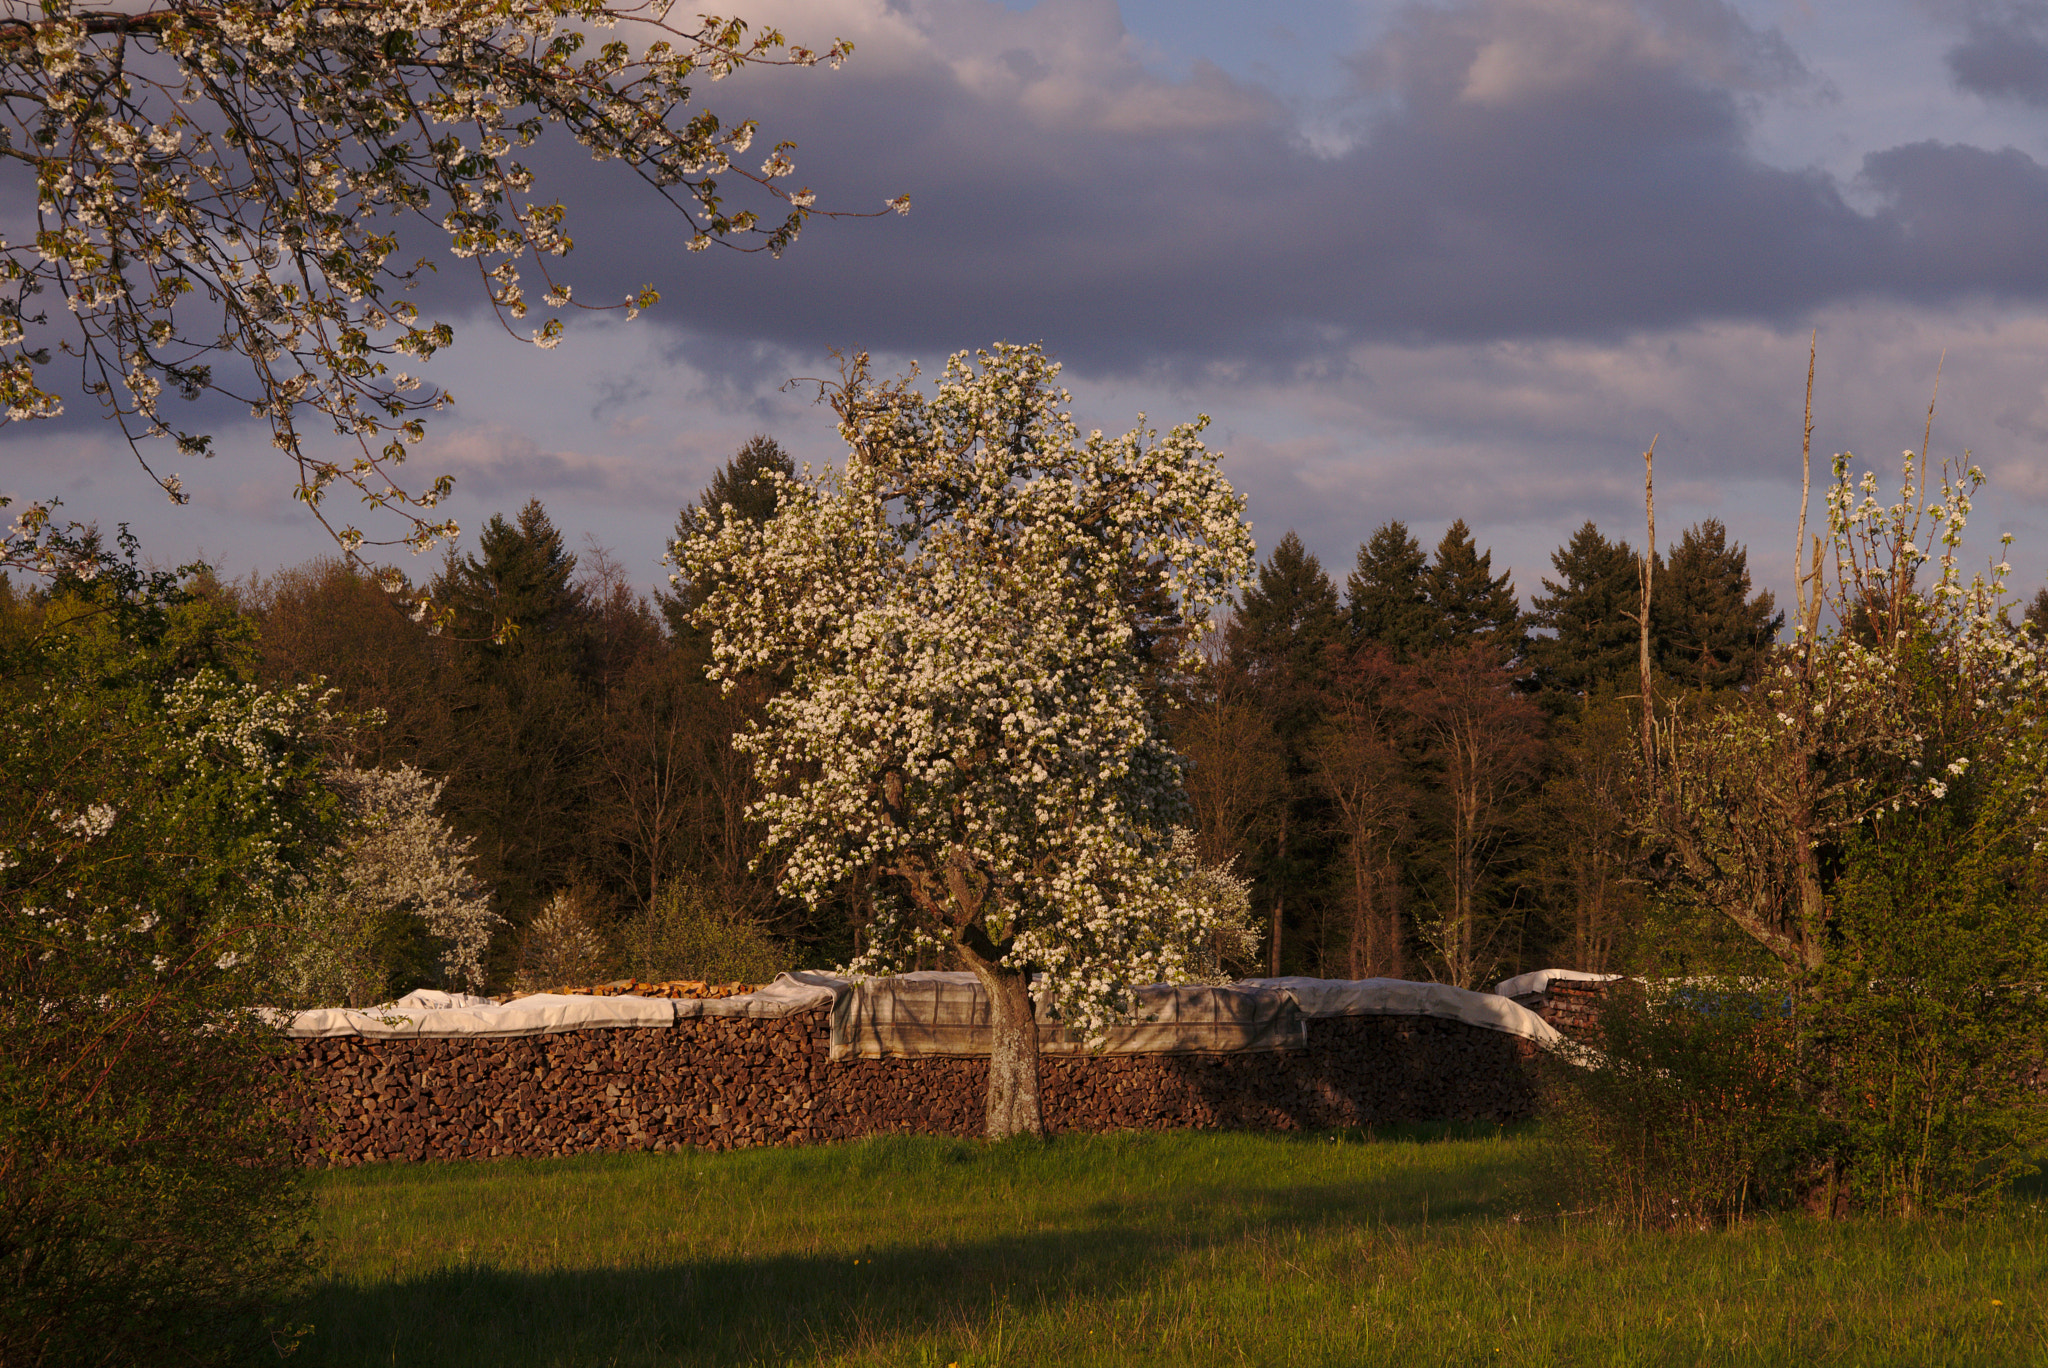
x,y
1416,261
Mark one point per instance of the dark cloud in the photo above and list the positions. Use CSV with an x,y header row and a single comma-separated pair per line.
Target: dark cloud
x,y
2004,52
1967,218
1510,169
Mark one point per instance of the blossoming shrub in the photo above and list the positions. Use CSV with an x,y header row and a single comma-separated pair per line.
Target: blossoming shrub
x,y
155,816
562,946
394,905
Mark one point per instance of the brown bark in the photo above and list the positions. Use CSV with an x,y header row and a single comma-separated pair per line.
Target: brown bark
x,y
1280,898
1015,1106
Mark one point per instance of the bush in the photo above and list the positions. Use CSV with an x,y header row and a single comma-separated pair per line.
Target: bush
x,y
394,905
1681,1111
685,934
562,947
1922,1044
155,817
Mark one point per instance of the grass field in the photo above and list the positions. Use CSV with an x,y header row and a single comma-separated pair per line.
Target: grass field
x,y
1422,1248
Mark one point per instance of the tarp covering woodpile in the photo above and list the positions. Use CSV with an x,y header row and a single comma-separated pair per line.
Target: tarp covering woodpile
x,y
933,1014
912,1016
1530,987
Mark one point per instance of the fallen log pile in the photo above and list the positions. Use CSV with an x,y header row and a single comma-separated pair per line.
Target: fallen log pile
x,y
719,1083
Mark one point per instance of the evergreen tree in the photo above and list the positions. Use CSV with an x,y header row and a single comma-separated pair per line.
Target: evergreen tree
x,y
1287,621
1709,632
519,590
1384,597
738,483
2037,615
1279,640
1467,601
1594,643
520,780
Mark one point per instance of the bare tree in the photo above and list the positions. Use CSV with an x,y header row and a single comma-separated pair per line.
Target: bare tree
x,y
1359,762
1484,742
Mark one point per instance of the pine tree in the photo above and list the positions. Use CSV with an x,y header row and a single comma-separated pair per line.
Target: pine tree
x,y
1384,597
519,590
1467,601
1710,633
1593,642
520,781
1287,620
1280,640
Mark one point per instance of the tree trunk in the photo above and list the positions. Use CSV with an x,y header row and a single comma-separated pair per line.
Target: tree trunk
x,y
1280,898
1014,1107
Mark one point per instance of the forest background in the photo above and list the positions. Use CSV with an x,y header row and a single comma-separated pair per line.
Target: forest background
x,y
1421,777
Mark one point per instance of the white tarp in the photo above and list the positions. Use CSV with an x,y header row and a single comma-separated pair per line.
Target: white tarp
x,y
539,1014
798,992
932,1013
1537,982
1399,997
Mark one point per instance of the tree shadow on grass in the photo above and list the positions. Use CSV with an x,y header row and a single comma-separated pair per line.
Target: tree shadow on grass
x,y
782,1307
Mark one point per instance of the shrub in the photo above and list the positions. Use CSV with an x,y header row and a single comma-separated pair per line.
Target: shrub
x,y
1227,943
1681,1111
685,934
561,947
394,904
155,816
1922,1040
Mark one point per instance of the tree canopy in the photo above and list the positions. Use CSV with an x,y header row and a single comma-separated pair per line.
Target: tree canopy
x,y
1466,599
1587,609
225,191
1383,596
965,724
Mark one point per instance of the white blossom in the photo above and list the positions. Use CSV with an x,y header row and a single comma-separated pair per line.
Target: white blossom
x,y
957,615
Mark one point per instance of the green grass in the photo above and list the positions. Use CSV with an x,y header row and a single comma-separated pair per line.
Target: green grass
x,y
1430,1247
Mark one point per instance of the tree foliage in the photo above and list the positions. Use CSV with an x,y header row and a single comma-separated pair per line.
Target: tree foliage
x,y
1710,632
965,720
1384,597
157,817
1467,601
224,191
1592,642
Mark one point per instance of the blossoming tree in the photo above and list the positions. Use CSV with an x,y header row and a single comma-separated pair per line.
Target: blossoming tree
x,y
223,190
399,873
959,614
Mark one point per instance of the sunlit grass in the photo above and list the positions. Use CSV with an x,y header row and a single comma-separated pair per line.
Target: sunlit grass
x,y
1433,1247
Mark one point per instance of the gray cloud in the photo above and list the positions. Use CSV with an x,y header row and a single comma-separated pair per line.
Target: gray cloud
x,y
2004,51
1509,169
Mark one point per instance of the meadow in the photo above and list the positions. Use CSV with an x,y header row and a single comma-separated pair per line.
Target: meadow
x,y
1414,1246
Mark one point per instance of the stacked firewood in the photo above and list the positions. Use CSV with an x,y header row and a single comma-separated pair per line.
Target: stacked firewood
x,y
1572,1006
718,1083
667,988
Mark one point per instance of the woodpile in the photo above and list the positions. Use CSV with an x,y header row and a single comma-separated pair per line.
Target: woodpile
x,y
670,988
719,1083
1572,1007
